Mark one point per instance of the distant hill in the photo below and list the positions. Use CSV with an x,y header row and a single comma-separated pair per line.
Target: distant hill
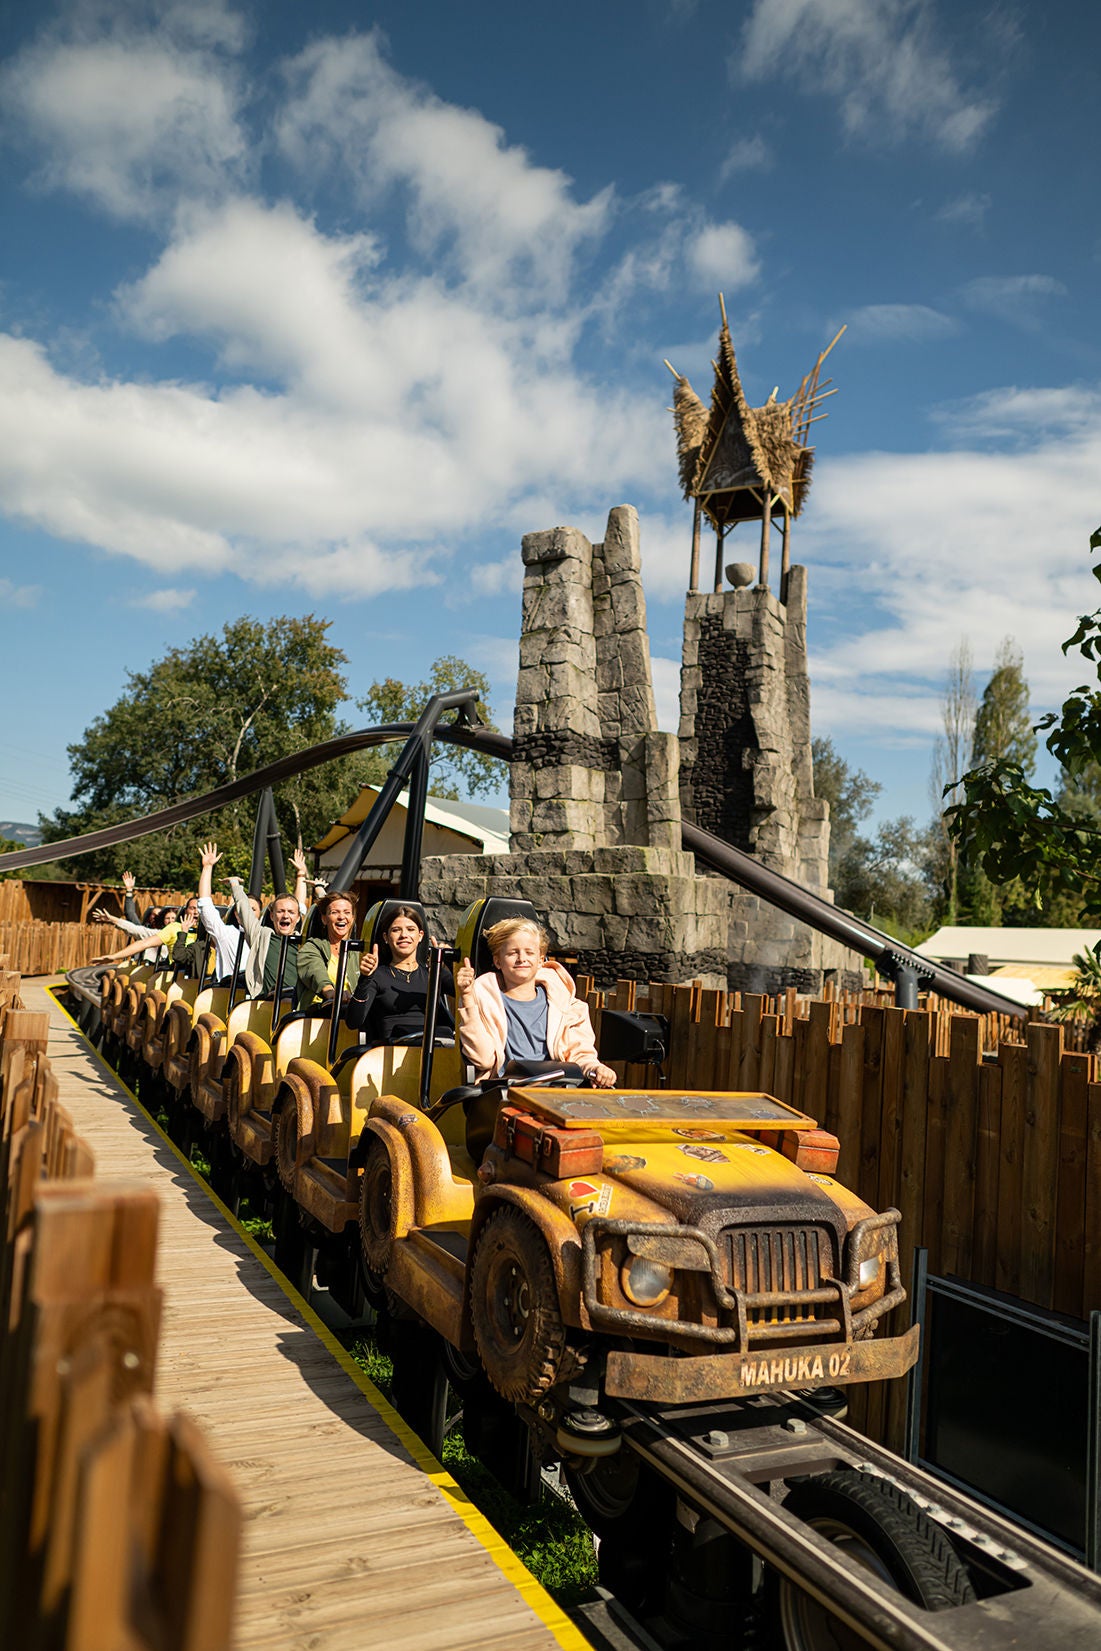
x,y
18,831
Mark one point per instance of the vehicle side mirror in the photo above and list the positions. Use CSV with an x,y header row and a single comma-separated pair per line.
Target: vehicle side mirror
x,y
629,1037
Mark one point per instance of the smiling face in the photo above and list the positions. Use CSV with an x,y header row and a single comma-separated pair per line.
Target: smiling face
x,y
284,914
517,959
338,918
403,937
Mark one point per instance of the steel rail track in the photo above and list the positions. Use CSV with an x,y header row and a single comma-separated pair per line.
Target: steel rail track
x,y
720,1459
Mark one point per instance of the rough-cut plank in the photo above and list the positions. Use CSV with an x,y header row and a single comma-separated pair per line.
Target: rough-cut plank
x,y
1040,1164
283,1391
960,1126
1070,1209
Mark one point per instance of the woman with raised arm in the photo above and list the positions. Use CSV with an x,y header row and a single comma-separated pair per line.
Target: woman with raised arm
x,y
524,1008
318,958
390,997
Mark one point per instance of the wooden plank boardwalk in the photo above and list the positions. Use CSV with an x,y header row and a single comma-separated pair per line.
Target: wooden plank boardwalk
x,y
354,1535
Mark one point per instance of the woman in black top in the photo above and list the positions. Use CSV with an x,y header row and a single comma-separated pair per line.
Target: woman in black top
x,y
389,999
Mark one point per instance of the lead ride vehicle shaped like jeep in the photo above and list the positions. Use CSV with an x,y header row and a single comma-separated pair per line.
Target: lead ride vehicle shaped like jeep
x,y
706,1226
675,1248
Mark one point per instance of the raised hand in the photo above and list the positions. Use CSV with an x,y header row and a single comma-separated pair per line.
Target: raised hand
x,y
464,978
128,881
298,861
102,917
368,963
208,855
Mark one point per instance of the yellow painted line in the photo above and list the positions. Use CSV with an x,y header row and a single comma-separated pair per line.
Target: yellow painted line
x,y
551,1615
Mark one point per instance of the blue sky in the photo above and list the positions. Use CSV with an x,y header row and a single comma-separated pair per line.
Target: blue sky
x,y
320,309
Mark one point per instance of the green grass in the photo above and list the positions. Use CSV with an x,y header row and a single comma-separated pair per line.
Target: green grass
x,y
548,1536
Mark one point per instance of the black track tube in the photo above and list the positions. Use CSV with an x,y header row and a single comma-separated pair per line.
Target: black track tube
x,y
828,919
287,941
722,857
235,978
431,1009
275,850
346,946
409,885
418,744
259,837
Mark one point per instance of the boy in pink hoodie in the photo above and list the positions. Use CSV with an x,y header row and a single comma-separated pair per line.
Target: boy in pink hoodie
x,y
525,1008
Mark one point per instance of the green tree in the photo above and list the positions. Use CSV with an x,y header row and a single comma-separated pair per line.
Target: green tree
x,y
884,878
850,794
1003,733
1017,830
206,713
455,772
1003,729
951,756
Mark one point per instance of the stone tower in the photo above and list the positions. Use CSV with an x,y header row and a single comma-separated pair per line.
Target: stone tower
x,y
595,807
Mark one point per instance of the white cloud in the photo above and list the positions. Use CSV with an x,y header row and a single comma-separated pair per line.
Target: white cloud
x,y
881,59
19,596
129,121
510,225
969,209
167,600
666,675
921,549
1018,299
904,323
746,155
723,255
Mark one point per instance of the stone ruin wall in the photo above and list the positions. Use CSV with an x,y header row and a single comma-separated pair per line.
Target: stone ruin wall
x,y
596,789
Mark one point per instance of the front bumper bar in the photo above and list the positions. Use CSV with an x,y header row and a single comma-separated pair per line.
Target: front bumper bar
x,y
660,1379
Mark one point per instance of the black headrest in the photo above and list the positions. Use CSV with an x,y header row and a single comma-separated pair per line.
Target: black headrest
x,y
384,914
494,910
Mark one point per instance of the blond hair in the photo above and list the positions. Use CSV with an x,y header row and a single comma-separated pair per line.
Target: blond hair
x,y
499,934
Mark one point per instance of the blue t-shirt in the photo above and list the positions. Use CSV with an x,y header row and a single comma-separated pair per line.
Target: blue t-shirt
x,y
526,1038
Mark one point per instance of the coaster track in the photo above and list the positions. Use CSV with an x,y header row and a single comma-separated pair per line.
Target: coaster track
x,y
888,954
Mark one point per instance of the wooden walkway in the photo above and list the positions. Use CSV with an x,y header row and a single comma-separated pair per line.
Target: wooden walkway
x,y
354,1535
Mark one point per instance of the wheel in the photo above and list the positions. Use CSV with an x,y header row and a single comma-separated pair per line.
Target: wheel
x,y
606,1490
514,1305
285,1143
376,1220
879,1528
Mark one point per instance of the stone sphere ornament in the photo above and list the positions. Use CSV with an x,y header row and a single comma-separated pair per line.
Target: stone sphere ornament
x,y
740,574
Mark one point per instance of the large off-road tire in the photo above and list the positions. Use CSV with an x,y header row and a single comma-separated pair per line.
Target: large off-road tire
x,y
880,1528
284,1133
514,1306
376,1211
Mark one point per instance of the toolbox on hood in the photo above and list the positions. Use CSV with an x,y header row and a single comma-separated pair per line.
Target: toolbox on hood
x,y
556,1152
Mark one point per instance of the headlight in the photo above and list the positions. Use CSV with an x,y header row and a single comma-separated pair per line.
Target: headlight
x,y
869,1272
645,1282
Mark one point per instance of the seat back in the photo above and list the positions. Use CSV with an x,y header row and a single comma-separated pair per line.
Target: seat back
x,y
378,920
480,916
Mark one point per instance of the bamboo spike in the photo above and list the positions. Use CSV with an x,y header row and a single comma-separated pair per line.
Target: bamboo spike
x,y
672,369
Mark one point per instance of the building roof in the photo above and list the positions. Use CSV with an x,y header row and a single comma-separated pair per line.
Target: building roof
x,y
459,828
955,943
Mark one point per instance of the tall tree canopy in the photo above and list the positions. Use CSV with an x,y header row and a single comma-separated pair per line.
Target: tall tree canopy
x,y
455,772
884,878
1017,830
205,714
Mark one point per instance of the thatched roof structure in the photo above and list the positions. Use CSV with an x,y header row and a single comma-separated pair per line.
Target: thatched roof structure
x,y
740,460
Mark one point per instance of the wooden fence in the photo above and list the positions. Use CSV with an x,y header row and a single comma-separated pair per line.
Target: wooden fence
x,y
52,948
993,1160
117,1528
40,900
